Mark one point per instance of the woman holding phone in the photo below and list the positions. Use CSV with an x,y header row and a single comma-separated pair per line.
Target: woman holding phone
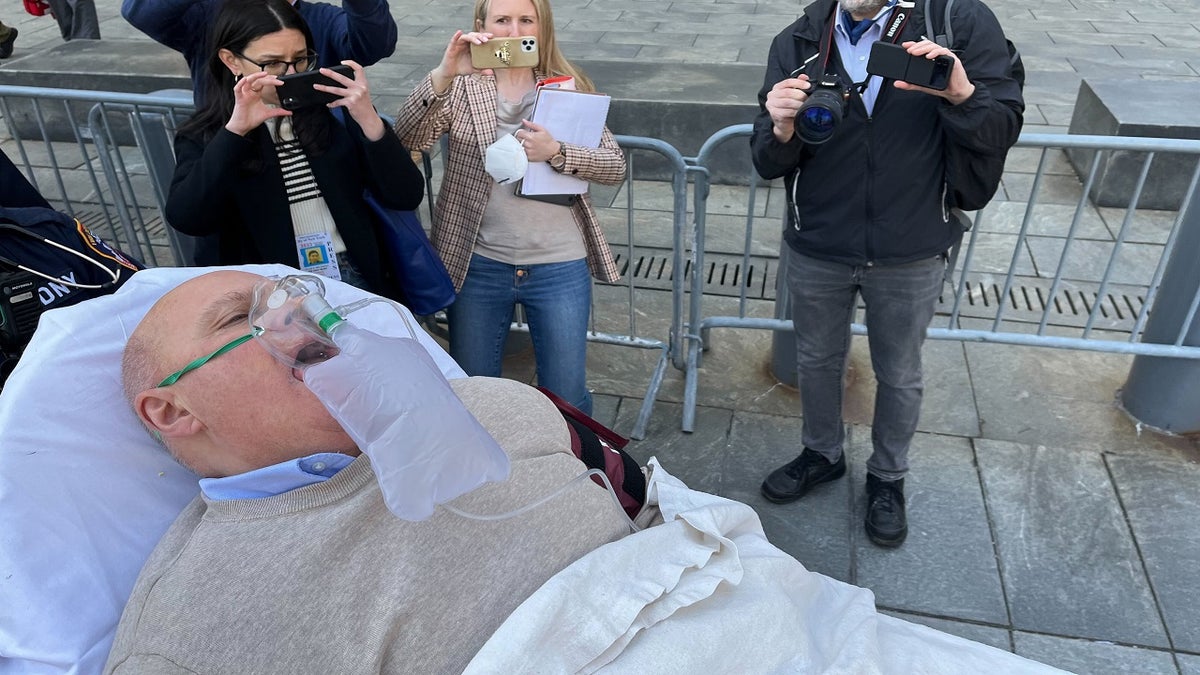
x,y
500,248
264,184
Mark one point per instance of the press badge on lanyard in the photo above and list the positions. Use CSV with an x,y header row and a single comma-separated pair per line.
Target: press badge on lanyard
x,y
315,252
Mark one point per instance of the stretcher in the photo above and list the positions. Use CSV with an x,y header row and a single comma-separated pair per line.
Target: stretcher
x,y
85,494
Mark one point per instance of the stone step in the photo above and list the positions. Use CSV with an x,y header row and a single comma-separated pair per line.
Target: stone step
x,y
680,104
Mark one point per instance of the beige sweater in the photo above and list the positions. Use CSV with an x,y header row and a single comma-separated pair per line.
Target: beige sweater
x,y
324,579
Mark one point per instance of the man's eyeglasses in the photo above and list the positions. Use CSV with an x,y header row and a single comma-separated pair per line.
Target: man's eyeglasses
x,y
174,377
277,68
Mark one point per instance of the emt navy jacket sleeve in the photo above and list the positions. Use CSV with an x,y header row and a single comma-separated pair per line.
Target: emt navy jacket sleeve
x,y
360,30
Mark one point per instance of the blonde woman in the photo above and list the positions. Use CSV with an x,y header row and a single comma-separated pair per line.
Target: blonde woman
x,y
502,249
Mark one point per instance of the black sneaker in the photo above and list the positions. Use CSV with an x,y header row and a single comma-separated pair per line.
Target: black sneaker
x,y
6,45
794,479
886,523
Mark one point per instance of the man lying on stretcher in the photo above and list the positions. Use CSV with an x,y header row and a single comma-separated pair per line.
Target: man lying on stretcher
x,y
290,561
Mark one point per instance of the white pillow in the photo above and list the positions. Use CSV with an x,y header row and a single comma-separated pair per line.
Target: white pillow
x,y
85,493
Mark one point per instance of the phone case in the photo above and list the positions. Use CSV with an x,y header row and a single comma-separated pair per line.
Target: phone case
x,y
895,63
515,52
297,91
932,73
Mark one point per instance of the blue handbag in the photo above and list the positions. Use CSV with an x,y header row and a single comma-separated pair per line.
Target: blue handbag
x,y
420,273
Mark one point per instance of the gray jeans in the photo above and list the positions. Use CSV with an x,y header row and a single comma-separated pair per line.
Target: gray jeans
x,y
900,301
76,19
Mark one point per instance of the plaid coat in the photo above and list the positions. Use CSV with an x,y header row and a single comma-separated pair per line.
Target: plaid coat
x,y
468,112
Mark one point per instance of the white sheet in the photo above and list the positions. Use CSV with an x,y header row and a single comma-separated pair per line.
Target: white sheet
x,y
705,592
84,492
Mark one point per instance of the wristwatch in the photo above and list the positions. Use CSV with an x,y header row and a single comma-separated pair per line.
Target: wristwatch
x,y
559,161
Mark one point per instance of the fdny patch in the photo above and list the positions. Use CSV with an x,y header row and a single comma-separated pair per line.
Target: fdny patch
x,y
101,248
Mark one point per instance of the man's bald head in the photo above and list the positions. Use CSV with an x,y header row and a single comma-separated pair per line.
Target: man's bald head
x,y
150,352
240,411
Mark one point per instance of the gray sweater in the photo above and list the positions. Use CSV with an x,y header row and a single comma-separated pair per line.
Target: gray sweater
x,y
324,579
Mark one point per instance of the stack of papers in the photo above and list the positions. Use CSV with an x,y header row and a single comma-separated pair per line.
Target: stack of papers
x,y
573,117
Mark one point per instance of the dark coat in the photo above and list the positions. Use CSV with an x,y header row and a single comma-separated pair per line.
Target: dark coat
x,y
217,190
875,192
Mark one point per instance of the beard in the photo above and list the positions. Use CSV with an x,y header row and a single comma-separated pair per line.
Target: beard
x,y
867,7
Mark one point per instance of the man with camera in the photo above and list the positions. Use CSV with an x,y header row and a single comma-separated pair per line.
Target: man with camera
x,y
870,209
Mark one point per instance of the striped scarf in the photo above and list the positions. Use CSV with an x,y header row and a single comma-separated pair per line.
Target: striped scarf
x,y
310,213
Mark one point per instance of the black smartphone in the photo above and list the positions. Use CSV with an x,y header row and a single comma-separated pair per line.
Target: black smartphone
x,y
297,89
894,62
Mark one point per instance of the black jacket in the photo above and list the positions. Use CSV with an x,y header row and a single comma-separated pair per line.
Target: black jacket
x,y
215,191
875,192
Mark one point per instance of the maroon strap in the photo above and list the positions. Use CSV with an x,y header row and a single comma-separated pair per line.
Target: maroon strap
x,y
612,437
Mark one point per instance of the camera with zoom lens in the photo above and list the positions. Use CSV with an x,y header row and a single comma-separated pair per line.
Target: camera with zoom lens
x,y
828,99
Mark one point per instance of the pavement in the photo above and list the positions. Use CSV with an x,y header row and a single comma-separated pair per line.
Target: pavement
x,y
1043,520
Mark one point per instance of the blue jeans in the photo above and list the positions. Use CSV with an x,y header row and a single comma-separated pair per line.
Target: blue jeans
x,y
558,302
900,302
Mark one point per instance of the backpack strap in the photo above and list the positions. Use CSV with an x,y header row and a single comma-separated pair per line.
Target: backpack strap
x,y
945,36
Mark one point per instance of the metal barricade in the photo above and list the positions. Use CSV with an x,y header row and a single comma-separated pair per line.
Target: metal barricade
x,y
93,155
631,336
1029,289
107,158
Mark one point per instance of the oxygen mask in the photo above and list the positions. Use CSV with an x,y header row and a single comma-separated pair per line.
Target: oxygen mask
x,y
295,320
388,394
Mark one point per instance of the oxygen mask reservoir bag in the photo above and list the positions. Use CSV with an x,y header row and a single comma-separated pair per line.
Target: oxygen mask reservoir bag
x,y
387,393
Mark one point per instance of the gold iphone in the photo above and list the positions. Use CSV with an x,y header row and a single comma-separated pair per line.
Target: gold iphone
x,y
513,52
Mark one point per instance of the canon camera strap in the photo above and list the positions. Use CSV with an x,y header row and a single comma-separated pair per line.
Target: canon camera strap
x,y
901,12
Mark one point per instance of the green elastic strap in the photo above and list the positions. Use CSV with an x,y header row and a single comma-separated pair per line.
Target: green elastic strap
x,y
174,377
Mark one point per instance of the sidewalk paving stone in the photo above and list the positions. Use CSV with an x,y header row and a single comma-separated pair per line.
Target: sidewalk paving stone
x,y
816,530
993,637
1092,657
1069,564
1163,507
947,566
697,459
1056,398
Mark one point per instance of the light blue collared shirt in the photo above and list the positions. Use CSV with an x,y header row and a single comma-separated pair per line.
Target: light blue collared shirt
x,y
854,57
277,478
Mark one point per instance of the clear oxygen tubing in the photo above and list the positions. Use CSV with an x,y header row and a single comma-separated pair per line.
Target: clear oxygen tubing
x,y
542,500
